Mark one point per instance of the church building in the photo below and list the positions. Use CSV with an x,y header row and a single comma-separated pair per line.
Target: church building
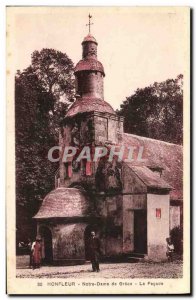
x,y
131,205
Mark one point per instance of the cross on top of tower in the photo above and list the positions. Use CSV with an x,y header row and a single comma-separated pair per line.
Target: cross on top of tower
x,y
89,23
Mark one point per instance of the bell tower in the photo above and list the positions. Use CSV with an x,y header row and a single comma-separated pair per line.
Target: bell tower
x,y
90,120
89,72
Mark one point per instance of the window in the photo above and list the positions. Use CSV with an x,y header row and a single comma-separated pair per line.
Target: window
x,y
158,213
86,167
68,169
156,169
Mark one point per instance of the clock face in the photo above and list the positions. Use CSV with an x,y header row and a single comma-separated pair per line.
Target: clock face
x,y
75,166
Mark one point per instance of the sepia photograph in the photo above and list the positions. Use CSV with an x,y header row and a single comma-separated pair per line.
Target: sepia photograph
x,y
98,136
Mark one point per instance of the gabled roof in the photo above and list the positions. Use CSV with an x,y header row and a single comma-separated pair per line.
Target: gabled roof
x,y
62,203
149,178
163,155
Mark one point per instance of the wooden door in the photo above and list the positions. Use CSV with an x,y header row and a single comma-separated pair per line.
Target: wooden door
x,y
140,231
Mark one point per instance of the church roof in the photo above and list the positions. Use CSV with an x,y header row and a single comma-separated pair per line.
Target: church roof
x,y
64,202
149,178
89,64
82,105
89,38
159,154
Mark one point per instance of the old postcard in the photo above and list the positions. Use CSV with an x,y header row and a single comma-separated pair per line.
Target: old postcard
x,y
98,150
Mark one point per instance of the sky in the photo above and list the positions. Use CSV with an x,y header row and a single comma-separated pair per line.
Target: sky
x,y
136,46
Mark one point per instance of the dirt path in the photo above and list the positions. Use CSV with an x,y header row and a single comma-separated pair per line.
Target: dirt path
x,y
113,270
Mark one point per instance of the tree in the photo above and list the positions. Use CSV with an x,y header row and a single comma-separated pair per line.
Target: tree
x,y
38,113
156,111
55,70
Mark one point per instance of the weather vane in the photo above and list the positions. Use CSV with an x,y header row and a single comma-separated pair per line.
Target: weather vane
x,y
89,23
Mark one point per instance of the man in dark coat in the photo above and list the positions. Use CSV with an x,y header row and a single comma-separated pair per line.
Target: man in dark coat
x,y
94,246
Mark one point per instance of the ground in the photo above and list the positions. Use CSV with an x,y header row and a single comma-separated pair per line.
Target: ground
x,y
108,270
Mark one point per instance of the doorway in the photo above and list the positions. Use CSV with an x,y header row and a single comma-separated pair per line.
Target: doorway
x,y
140,231
46,236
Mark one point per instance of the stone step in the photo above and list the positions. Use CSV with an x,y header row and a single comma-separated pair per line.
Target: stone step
x,y
134,259
136,255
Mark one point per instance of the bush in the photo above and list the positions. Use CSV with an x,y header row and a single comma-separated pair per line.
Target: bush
x,y
177,239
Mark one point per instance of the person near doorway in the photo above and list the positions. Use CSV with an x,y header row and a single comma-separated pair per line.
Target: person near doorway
x,y
170,249
95,252
36,250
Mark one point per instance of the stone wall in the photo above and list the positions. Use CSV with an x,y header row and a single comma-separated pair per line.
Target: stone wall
x,y
90,84
158,225
95,129
67,241
77,132
174,216
89,50
115,130
101,130
108,217
131,183
114,225
108,129
130,204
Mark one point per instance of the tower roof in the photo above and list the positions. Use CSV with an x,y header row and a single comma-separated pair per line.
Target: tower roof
x,y
89,38
64,202
89,65
82,105
89,73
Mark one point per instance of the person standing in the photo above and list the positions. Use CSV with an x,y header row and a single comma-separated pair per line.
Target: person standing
x,y
170,249
94,246
36,253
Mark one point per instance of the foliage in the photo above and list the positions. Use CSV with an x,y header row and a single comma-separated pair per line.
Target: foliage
x,y
54,69
177,239
156,111
38,112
